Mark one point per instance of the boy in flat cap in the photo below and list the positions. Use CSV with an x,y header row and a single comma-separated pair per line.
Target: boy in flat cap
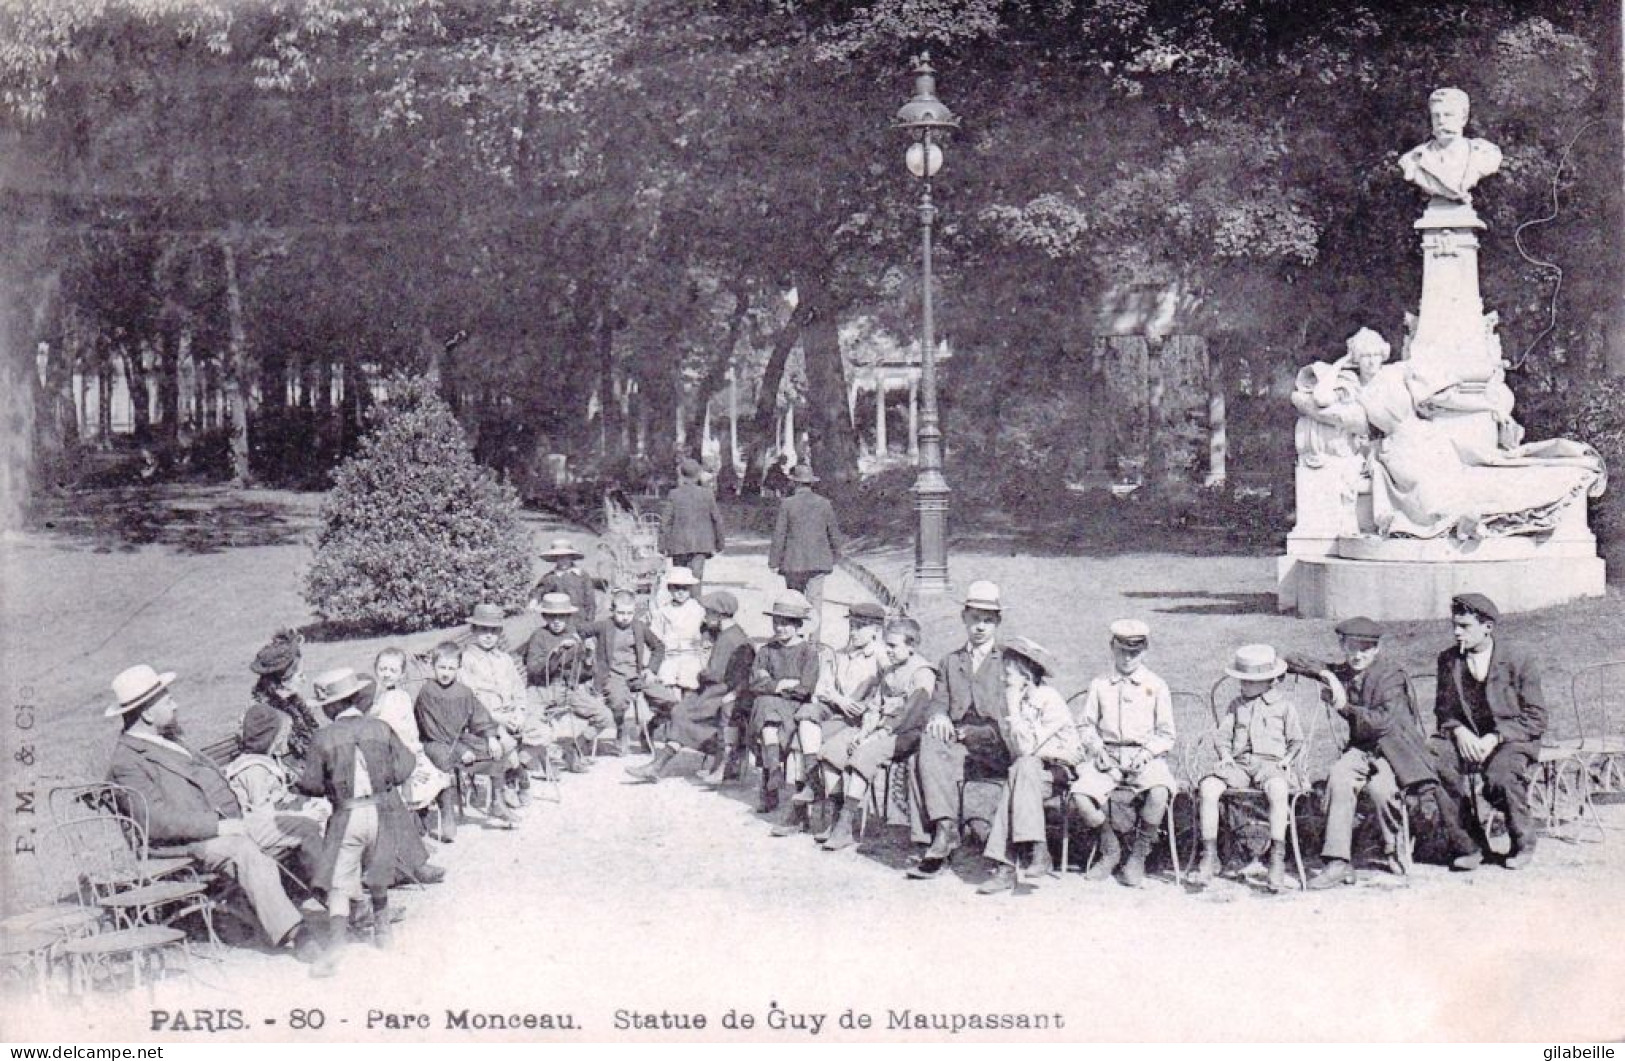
x,y
1491,714
1128,730
704,715
1386,754
847,681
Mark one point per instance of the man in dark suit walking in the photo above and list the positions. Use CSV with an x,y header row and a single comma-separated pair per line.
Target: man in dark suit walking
x,y
965,729
1491,716
806,540
692,531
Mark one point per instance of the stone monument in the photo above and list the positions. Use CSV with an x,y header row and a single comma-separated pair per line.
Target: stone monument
x,y
1413,479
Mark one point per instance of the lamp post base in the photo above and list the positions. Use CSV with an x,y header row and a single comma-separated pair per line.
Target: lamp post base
x,y
931,539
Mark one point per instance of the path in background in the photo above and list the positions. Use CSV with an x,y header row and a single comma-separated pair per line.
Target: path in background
x,y
675,897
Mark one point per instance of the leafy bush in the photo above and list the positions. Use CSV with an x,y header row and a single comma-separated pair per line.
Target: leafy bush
x,y
1598,417
414,532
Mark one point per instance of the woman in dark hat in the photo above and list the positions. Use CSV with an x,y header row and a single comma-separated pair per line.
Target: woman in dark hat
x,y
277,665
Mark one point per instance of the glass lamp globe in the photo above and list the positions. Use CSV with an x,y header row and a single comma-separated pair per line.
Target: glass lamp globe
x,y
922,164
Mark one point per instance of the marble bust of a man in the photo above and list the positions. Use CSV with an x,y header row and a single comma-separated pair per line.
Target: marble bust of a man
x,y
1447,166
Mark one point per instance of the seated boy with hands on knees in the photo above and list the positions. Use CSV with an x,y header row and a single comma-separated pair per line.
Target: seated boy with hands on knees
x,y
459,732
1127,723
1259,740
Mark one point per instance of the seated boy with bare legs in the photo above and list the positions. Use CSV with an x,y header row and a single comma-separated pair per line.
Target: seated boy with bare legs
x,y
1260,738
1128,726
459,732
889,730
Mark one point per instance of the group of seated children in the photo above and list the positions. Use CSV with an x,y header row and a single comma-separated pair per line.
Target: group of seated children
x,y
827,725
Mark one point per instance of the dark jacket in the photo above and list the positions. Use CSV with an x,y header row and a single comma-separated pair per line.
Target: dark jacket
x,y
1381,721
330,771
1511,685
693,523
959,688
575,584
539,653
604,633
451,718
775,662
806,537
729,666
185,797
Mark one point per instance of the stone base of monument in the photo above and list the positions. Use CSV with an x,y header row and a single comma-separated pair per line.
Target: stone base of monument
x,y
1397,579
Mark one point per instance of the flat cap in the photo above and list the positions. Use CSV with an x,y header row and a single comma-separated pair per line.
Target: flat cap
x,y
1476,603
1131,633
720,603
1360,628
866,612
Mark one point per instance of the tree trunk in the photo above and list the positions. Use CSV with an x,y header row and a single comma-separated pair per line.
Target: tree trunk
x,y
169,384
104,401
236,369
716,373
610,424
765,422
135,381
834,443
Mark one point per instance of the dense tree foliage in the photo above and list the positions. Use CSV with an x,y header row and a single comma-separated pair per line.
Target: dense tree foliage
x,y
606,203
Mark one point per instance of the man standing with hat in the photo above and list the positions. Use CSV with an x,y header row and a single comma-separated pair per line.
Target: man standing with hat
x,y
1128,727
189,802
567,579
1491,714
1386,754
806,540
964,731
692,531
359,764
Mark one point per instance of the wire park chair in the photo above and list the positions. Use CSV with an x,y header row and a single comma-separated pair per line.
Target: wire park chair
x,y
628,552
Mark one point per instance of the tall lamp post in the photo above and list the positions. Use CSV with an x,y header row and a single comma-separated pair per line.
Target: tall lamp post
x,y
926,120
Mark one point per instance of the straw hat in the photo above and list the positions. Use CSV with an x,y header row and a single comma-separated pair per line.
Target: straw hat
x,y
1032,651
984,596
561,547
557,604
791,606
338,684
1256,663
681,576
136,687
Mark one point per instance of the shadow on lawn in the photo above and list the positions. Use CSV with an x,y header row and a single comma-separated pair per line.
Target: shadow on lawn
x,y
1222,603
194,520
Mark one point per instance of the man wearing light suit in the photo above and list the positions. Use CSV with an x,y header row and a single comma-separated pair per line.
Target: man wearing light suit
x,y
965,731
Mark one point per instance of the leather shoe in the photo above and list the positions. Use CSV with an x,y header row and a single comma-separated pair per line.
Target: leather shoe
x,y
429,873
927,868
1519,857
1003,880
1467,863
1335,872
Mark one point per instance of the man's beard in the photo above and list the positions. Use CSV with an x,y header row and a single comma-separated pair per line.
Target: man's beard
x,y
711,628
172,730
